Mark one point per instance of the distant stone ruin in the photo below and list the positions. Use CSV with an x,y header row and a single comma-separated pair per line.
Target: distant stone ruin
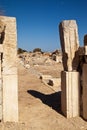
x,y
8,70
74,76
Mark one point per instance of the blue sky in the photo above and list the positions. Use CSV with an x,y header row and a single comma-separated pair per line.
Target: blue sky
x,y
38,20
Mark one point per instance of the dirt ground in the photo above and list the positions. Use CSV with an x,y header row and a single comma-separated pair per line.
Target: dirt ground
x,y
39,105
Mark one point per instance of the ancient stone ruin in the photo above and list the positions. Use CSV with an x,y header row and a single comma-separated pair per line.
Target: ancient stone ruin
x,y
74,76
8,70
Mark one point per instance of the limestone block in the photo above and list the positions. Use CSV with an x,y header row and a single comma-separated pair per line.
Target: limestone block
x,y
9,65
55,81
84,90
70,94
10,98
70,44
1,99
1,87
9,44
1,102
45,77
55,84
9,70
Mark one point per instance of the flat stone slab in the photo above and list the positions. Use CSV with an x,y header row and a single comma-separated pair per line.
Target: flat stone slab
x,y
45,77
55,84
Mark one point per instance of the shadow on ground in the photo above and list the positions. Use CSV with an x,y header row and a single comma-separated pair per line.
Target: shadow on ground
x,y
52,100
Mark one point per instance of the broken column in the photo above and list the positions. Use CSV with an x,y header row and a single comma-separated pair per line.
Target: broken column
x,y
8,43
70,75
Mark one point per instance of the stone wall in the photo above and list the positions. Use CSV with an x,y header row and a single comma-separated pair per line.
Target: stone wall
x,y
9,70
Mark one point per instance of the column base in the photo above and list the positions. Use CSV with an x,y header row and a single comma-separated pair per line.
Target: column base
x,y
70,94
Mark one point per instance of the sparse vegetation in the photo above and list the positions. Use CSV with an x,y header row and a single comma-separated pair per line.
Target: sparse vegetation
x,y
37,50
20,50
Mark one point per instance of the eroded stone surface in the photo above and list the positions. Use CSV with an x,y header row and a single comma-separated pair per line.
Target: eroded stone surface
x,y
2,31
70,44
70,94
8,49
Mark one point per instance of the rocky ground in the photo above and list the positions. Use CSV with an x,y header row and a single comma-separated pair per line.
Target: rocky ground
x,y
39,103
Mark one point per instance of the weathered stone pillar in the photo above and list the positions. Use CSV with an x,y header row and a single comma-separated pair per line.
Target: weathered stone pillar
x,y
2,27
69,44
70,94
0,86
84,81
9,74
70,76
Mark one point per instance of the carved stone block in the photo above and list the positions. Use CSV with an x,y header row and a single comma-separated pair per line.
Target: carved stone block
x,y
70,94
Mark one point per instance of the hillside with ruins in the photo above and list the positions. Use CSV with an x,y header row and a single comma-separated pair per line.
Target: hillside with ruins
x,y
39,95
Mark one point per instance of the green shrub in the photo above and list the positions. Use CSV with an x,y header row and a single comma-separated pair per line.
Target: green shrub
x,y
20,50
37,50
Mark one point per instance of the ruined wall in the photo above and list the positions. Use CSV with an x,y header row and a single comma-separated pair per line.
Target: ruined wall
x,y
9,70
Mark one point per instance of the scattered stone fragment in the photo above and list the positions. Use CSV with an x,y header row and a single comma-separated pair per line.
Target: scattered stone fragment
x,y
54,82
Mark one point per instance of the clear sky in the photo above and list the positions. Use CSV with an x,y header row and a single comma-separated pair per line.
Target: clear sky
x,y
38,20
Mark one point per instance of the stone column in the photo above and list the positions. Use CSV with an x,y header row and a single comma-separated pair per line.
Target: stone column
x,y
0,87
70,94
1,82
69,44
10,83
70,76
